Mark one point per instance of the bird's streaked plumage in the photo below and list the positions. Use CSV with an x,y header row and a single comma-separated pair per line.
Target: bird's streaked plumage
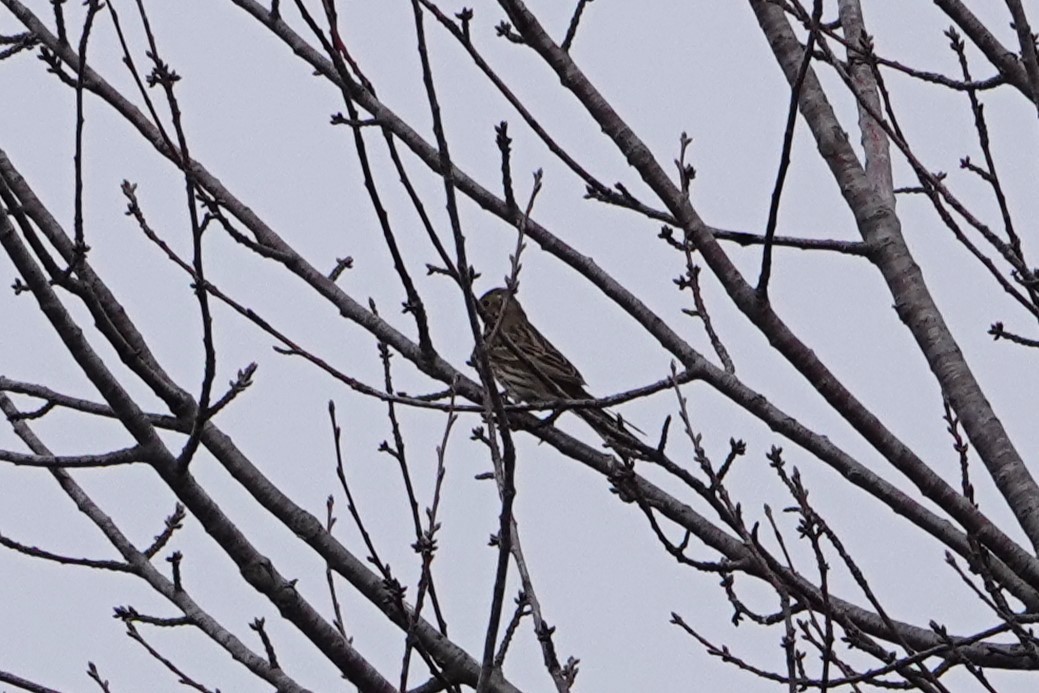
x,y
531,368
524,361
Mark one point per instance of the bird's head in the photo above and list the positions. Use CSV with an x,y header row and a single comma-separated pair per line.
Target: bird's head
x,y
492,303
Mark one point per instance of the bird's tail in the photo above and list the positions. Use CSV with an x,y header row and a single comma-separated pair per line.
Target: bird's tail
x,y
614,431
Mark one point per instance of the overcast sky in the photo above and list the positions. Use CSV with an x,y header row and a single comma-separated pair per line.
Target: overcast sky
x,y
259,120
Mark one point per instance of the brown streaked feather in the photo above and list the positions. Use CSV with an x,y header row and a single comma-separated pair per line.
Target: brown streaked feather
x,y
531,368
524,360
552,363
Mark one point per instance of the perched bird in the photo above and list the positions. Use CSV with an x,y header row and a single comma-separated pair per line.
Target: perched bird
x,y
532,369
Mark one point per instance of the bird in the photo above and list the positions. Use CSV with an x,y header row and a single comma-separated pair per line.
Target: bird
x,y
532,369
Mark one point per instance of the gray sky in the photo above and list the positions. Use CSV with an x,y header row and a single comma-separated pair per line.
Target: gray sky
x,y
259,120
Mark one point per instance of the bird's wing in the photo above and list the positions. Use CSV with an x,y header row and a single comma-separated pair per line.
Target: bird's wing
x,y
551,361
